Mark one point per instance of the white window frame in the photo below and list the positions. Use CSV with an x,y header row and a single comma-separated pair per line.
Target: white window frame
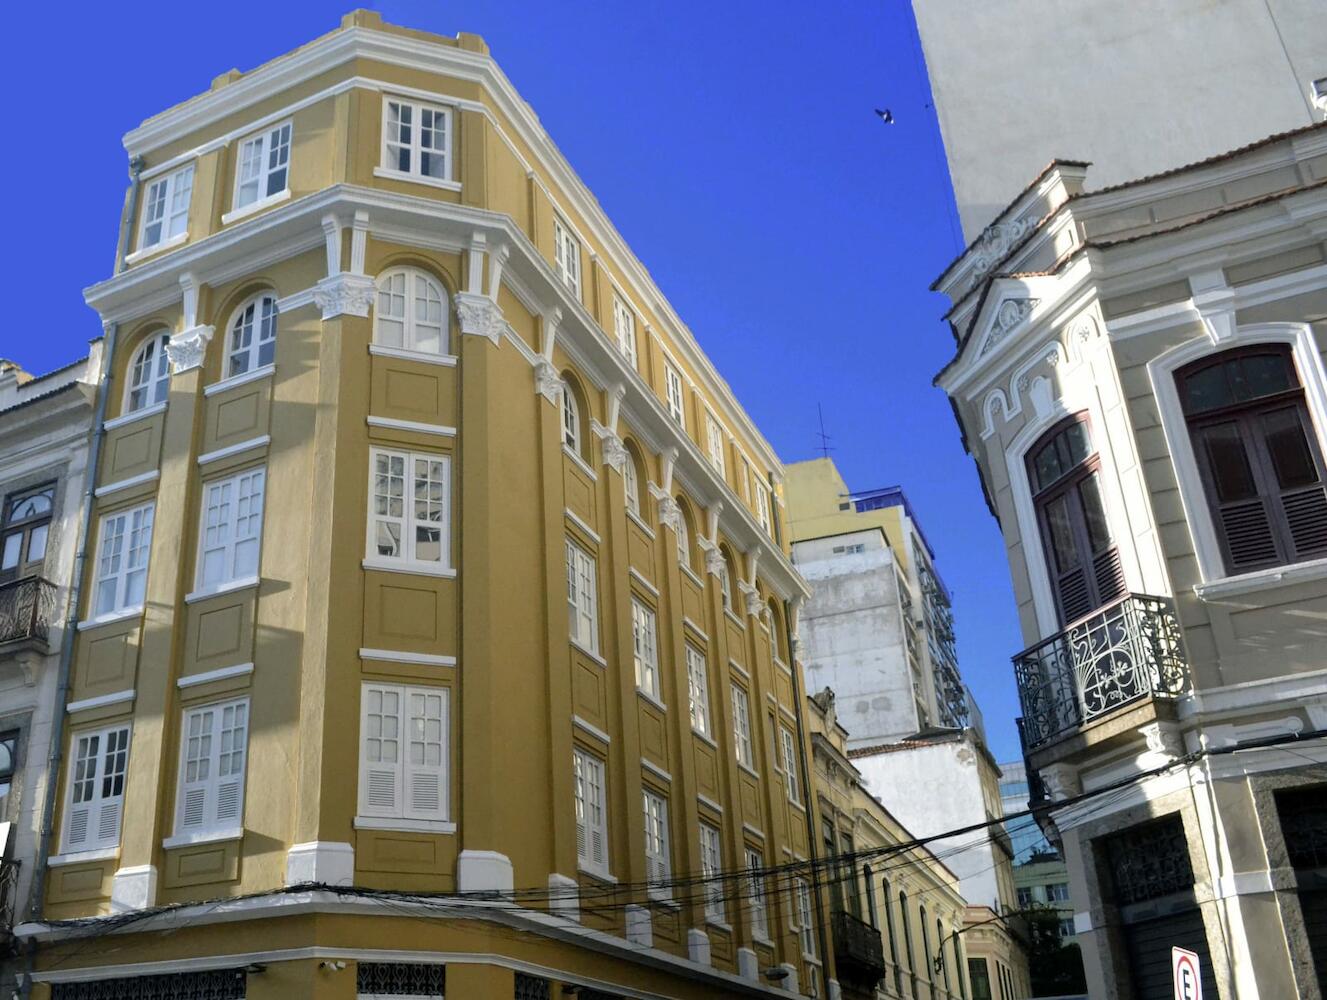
x,y
408,522
788,746
390,164
572,429
645,647
711,872
567,256
220,797
805,925
715,445
411,296
153,379
755,864
675,394
761,497
589,780
742,726
262,328
284,133
658,857
624,328
631,484
229,547
103,813
392,789
124,544
582,597
176,191
683,534
698,689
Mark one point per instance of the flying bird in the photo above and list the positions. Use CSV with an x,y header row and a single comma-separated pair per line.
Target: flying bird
x,y
886,115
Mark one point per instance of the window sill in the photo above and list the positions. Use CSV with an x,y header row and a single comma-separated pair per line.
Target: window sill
x,y
407,354
145,252
401,825
601,876
661,897
413,426
203,837
256,206
640,523
110,618
700,632
1263,579
222,588
797,805
640,579
731,615
688,571
652,698
589,652
411,568
127,484
244,378
583,465
761,940
398,175
82,857
718,924
749,769
704,737
239,448
129,418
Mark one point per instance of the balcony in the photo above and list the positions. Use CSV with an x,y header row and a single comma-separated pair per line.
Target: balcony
x,y
27,608
1125,652
859,952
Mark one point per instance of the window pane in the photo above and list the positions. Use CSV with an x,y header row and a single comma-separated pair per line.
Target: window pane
x,y
1046,466
1260,375
1229,464
1286,444
1060,527
1098,533
1207,389
9,553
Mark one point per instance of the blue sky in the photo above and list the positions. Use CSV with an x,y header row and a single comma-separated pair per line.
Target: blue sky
x,y
733,144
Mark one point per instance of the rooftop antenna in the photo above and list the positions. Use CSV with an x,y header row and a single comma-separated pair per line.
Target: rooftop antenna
x,y
825,449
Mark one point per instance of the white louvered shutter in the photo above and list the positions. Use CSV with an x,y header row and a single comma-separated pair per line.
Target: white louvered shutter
x,y
425,787
96,790
198,770
657,866
381,766
582,826
232,749
598,817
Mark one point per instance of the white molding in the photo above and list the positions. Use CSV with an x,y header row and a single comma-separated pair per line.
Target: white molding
x,y
101,701
110,619
129,418
127,484
406,354
261,441
653,699
83,857
593,654
404,656
699,632
133,888
705,800
230,587
391,423
254,207
1297,689
691,573
404,825
323,861
585,529
755,831
143,253
592,729
208,676
244,378
639,577
583,465
641,523
437,182
204,837
484,871
655,770
1263,579
385,565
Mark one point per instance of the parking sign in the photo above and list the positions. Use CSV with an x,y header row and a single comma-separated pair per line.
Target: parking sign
x,y
1184,973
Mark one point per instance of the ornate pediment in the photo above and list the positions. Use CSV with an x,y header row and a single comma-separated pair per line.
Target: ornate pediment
x,y
1009,314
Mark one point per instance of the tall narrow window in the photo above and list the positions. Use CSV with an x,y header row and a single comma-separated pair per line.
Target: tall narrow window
x,y
760,494
658,864
624,327
214,746
726,583
410,510
232,529
631,482
805,924
264,166
1258,456
252,336
591,812
645,647
403,757
698,690
567,256
412,312
673,395
715,443
907,939
927,964
95,799
742,727
415,140
683,539
789,746
1082,558
711,872
149,374
26,528
893,940
582,598
122,554
571,419
166,208
755,893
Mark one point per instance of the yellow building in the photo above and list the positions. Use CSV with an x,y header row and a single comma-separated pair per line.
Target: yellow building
x,y
436,613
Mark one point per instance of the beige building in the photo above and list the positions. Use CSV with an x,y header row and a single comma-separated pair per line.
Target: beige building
x,y
438,616
1140,380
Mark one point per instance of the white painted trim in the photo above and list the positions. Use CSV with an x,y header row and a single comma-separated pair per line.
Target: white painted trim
x,y
129,418
655,770
143,253
83,857
244,378
734,665
101,701
592,729
404,656
755,831
208,676
691,573
1263,579
403,825
639,577
705,800
1294,688
1193,497
652,699
704,738
596,657
262,203
261,441
699,632
397,175
641,523
406,566
127,484
576,519
109,619
406,354
203,837
229,587
749,770
391,423
583,465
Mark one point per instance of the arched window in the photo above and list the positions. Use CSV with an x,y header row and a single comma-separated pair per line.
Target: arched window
x,y
926,943
631,477
870,896
412,312
893,941
907,939
1081,557
149,374
252,342
940,952
1258,456
683,535
571,418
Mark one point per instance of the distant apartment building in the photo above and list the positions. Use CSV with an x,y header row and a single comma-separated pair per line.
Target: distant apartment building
x,y
878,631
44,432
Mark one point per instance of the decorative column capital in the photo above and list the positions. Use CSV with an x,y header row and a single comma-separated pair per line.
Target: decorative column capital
x,y
344,294
755,607
480,316
614,448
715,563
186,350
670,514
1061,781
547,381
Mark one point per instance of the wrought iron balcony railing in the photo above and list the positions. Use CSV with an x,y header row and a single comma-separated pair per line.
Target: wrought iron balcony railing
x,y
27,608
859,952
1126,651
